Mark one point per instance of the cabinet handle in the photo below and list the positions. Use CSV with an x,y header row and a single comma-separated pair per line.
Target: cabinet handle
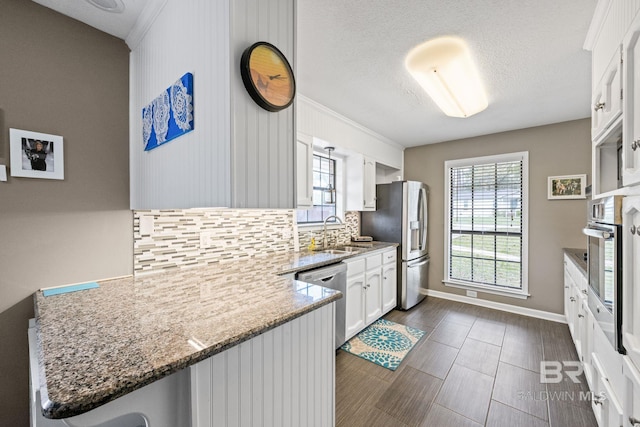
x,y
566,287
580,316
635,144
599,399
584,291
598,106
633,229
634,422
572,299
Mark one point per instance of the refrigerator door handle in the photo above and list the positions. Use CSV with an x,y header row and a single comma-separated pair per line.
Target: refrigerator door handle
x,y
418,264
423,218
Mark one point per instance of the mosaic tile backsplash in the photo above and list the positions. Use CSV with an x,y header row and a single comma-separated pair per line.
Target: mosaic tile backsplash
x,y
335,236
189,237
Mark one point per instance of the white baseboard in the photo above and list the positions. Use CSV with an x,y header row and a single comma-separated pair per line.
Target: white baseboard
x,y
545,315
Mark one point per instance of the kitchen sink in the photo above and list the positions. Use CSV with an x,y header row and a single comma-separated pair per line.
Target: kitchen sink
x,y
343,250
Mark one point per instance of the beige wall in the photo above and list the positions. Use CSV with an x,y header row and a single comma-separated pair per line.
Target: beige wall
x,y
61,77
558,149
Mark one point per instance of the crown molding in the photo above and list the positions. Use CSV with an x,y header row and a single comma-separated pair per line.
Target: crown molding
x,y
599,15
148,16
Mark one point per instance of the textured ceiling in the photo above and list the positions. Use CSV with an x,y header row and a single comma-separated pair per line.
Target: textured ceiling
x,y
351,55
529,54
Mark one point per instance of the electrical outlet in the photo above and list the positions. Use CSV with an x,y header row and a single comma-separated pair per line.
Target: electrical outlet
x,y
472,294
206,239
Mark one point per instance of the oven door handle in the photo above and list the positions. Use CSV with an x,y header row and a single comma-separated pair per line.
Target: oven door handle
x,y
596,233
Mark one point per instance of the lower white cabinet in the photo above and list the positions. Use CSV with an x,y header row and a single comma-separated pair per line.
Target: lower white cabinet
x,y
605,402
631,402
389,281
354,306
371,289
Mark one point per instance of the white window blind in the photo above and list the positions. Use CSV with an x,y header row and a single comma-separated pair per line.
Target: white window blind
x,y
486,222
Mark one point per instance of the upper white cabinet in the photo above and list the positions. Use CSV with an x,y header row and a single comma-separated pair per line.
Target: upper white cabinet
x,y
361,183
238,155
631,277
631,134
607,98
304,171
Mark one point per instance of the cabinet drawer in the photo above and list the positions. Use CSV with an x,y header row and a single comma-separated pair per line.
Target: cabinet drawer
x,y
389,257
354,266
374,261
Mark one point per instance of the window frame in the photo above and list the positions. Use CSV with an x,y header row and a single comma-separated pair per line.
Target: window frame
x,y
338,174
523,156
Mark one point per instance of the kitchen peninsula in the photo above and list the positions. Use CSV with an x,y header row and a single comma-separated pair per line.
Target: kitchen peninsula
x,y
97,345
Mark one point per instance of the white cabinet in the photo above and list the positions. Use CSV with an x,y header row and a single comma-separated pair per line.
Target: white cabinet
x,y
631,277
367,298
579,318
605,402
354,307
373,281
389,281
304,171
607,98
361,183
631,132
631,400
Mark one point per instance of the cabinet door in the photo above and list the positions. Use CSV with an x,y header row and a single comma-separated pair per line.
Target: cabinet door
x,y
631,277
304,171
631,132
570,301
389,287
369,185
607,98
373,296
354,307
631,403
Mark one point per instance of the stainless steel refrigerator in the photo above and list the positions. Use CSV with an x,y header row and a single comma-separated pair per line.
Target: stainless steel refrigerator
x,y
402,217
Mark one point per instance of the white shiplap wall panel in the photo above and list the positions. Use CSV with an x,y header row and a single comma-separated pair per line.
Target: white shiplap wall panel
x,y
282,378
319,121
238,155
194,169
263,166
618,18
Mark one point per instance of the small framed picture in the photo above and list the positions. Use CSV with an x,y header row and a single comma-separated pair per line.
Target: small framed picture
x,y
36,155
566,187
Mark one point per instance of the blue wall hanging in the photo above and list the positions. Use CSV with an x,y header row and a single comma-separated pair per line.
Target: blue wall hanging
x,y
170,115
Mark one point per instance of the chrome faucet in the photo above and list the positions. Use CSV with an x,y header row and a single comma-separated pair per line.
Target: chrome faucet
x,y
324,236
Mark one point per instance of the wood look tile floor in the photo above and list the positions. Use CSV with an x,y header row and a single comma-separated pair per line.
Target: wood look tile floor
x,y
474,367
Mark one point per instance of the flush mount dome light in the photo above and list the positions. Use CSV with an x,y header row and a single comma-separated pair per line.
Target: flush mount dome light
x,y
445,70
114,6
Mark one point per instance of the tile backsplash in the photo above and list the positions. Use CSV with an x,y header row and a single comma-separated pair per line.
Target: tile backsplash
x,y
189,237
335,236
184,238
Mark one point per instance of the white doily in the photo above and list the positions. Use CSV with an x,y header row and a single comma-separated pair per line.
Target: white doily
x,y
147,123
161,111
181,105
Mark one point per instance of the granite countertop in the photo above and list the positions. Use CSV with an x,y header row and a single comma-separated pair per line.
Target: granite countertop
x,y
99,344
578,256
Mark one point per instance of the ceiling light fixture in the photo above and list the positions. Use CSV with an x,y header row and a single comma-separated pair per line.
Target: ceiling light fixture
x,y
113,6
445,70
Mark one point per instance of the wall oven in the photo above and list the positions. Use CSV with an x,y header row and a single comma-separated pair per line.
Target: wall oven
x,y
604,234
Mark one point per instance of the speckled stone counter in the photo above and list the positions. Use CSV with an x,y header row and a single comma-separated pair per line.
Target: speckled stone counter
x,y
299,261
99,344
578,256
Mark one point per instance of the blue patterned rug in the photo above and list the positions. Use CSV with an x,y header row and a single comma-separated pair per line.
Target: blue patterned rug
x,y
384,343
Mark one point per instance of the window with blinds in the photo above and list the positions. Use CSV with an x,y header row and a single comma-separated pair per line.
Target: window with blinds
x,y
486,222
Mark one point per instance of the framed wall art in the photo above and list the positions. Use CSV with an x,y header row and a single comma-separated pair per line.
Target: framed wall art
x,y
170,115
566,187
36,155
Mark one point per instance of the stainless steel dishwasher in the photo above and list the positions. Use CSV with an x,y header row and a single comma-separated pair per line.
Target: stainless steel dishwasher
x,y
334,277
